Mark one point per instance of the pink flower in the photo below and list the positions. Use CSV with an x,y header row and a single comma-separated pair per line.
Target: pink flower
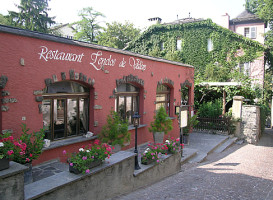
x,y
21,153
153,157
71,164
64,152
10,152
27,159
84,158
30,155
92,157
87,171
96,142
157,161
177,140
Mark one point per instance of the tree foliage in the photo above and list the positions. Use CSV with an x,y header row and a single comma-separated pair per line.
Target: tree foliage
x,y
32,15
3,20
88,27
118,35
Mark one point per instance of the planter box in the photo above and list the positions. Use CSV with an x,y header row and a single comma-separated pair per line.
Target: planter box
x,y
146,162
4,164
92,165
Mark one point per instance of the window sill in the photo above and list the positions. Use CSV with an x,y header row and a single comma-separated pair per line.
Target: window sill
x,y
65,142
172,118
131,127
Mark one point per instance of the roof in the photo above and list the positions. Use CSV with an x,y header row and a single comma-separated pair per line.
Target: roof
x,y
54,38
221,84
184,21
246,16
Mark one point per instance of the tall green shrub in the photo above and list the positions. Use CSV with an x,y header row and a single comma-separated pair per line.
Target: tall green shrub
x,y
211,109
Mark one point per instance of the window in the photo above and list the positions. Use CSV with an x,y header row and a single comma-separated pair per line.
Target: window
x,y
184,95
250,32
178,44
161,46
163,97
210,45
127,101
246,33
65,110
245,68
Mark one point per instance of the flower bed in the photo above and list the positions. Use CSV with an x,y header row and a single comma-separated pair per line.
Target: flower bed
x,y
88,157
154,151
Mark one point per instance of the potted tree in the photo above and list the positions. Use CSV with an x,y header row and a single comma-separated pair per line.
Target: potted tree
x,y
115,131
161,125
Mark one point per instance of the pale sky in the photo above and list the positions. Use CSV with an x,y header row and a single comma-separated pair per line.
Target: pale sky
x,y
138,11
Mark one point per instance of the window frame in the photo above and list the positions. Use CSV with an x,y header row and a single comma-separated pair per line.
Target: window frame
x,y
167,102
124,94
66,97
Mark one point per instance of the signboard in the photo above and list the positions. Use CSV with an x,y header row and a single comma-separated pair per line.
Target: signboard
x,y
183,118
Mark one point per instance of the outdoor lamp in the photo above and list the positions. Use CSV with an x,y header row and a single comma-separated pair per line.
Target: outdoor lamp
x,y
136,119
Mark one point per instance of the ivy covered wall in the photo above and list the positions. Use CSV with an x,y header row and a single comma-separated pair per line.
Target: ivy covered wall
x,y
219,64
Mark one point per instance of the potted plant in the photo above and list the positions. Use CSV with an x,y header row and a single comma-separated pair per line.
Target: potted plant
x,y
115,131
33,144
88,157
173,145
192,122
151,154
7,145
161,125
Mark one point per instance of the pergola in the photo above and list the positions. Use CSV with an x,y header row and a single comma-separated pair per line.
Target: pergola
x,y
221,84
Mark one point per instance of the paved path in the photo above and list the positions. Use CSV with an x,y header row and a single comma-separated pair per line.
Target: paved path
x,y
242,172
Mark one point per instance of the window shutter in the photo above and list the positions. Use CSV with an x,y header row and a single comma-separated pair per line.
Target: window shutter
x,y
253,34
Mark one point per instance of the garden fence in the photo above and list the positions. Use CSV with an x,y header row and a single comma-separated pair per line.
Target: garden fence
x,y
220,124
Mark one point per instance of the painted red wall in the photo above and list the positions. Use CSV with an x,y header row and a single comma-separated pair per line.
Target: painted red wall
x,y
24,80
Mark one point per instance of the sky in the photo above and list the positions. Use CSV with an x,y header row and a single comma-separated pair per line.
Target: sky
x,y
138,11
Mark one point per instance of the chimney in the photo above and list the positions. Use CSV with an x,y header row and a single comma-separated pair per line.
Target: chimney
x,y
225,21
154,20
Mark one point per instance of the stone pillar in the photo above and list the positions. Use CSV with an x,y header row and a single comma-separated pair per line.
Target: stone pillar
x,y
251,123
12,182
237,113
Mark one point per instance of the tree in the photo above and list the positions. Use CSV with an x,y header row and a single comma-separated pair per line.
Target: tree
x,y
118,35
32,15
88,27
3,20
262,8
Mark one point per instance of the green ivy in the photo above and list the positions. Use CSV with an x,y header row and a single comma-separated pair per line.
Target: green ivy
x,y
215,65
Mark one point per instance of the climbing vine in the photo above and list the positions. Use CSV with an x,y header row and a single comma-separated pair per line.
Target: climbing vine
x,y
219,64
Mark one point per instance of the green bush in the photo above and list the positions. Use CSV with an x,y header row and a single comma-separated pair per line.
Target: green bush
x,y
211,109
264,113
115,131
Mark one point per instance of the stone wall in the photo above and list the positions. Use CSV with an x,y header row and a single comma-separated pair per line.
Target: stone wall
x,y
115,177
251,124
12,182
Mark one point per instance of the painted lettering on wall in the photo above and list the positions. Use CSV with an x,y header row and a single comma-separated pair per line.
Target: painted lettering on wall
x,y
136,64
56,55
97,59
98,62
